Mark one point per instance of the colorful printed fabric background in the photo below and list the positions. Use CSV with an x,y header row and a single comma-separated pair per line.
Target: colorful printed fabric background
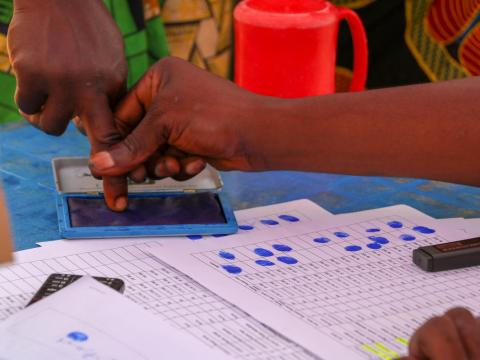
x,y
411,41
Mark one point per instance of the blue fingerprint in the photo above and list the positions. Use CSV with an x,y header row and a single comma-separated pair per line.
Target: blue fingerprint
x,y
423,230
287,260
379,239
226,255
353,248
289,218
395,224
322,240
219,235
407,237
246,227
269,222
78,336
341,234
282,248
373,230
232,269
264,263
263,252
195,237
374,246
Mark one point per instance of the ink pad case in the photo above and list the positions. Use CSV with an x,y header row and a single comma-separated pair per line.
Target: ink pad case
x,y
156,208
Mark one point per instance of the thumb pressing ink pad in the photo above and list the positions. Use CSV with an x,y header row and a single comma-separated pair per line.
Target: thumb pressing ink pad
x,y
156,208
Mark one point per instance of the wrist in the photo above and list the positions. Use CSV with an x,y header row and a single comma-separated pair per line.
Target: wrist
x,y
260,136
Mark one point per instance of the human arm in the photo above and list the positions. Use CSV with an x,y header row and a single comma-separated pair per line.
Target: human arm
x,y
454,335
425,131
69,61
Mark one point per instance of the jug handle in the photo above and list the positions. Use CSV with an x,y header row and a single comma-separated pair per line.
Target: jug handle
x,y
360,48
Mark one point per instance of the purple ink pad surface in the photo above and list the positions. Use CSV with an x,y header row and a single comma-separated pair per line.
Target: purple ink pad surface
x,y
201,208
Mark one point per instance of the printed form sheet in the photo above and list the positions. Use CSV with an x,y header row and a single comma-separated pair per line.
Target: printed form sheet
x,y
88,320
349,286
161,289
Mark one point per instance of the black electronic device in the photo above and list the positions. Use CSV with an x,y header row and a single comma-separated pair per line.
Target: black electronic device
x,y
57,282
448,256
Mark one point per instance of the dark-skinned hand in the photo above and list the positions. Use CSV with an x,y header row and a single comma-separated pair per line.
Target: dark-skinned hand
x,y
69,61
453,336
179,118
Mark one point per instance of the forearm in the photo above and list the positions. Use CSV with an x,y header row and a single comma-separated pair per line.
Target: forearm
x,y
424,131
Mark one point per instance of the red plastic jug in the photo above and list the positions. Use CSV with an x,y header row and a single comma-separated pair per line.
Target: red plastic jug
x,y
288,48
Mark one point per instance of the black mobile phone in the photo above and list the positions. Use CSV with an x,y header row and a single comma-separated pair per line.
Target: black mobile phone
x,y
57,282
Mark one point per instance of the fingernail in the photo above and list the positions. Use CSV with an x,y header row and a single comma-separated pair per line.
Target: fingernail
x,y
102,161
121,203
193,168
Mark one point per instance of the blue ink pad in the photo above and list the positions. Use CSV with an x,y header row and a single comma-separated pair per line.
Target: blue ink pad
x,y
156,208
372,230
374,246
341,234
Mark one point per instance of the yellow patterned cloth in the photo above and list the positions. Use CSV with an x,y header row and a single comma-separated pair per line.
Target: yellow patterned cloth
x,y
440,40
444,37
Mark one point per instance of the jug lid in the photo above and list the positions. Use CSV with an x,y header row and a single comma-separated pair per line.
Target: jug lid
x,y
287,6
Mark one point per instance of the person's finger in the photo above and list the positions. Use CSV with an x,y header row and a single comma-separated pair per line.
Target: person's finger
x,y
137,147
97,118
162,166
133,107
437,339
468,331
79,125
55,115
30,94
138,175
190,167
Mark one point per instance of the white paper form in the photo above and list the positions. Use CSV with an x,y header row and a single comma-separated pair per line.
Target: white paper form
x,y
161,289
346,285
88,320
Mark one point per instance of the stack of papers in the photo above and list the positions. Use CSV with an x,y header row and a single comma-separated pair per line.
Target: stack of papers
x,y
295,283
88,320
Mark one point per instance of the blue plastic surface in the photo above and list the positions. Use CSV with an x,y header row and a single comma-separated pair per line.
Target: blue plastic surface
x,y
70,232
25,155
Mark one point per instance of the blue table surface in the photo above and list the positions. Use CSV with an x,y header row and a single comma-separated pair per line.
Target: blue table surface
x,y
26,153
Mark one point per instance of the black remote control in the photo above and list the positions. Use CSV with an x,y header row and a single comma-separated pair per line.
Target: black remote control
x,y
57,282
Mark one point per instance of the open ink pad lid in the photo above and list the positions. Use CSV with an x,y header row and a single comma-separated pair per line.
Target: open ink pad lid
x,y
155,208
72,176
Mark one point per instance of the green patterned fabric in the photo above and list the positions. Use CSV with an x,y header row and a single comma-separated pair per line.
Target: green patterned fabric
x,y
143,32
